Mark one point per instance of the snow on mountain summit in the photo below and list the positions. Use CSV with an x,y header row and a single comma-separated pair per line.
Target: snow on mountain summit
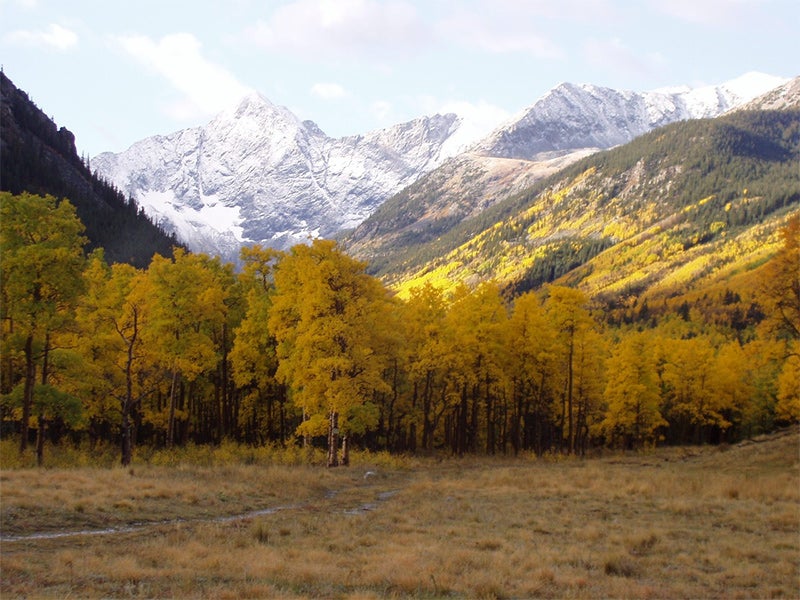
x,y
258,174
572,116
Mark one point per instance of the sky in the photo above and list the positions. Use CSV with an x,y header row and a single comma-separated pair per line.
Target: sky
x,y
115,71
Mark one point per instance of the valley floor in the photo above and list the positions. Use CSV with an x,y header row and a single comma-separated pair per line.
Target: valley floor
x,y
675,523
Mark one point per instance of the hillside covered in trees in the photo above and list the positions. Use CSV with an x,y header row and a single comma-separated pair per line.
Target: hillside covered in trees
x,y
658,215
41,158
305,347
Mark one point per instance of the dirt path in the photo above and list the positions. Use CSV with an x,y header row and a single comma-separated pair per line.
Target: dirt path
x,y
329,503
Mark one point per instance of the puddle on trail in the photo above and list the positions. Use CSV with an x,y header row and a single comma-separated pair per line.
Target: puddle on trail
x,y
133,527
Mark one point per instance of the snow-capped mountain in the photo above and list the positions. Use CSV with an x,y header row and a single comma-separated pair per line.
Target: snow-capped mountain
x,y
571,117
257,174
783,97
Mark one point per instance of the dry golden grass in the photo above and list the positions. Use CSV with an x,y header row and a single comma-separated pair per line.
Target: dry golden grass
x,y
671,524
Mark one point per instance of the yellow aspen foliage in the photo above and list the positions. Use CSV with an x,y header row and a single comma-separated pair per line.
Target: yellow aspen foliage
x,y
41,252
787,409
572,323
688,375
632,417
111,318
779,289
325,316
730,382
262,410
187,305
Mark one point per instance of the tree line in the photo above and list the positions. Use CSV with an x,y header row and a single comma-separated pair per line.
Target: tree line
x,y
305,347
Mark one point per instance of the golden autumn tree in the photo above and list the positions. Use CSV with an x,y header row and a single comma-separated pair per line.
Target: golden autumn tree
x,y
779,293
787,409
41,261
730,382
186,303
779,288
423,317
568,315
112,316
262,412
693,398
476,329
632,393
324,316
531,340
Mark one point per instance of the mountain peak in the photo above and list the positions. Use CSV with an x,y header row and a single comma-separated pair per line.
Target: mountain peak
x,y
753,84
577,116
252,100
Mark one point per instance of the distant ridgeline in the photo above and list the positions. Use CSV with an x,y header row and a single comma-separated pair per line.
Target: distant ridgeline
x,y
38,157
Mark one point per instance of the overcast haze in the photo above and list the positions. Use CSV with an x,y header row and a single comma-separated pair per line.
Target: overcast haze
x,y
116,72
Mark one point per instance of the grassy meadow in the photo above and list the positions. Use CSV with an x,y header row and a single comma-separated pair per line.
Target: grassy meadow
x,y
673,523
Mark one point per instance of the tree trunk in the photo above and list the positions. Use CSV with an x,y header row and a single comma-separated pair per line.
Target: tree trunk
x,y
40,432
570,383
345,450
27,394
127,402
41,429
333,439
171,422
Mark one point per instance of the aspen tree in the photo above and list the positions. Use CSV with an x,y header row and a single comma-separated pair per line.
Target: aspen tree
x,y
632,393
253,357
112,316
187,301
533,362
41,261
566,308
324,317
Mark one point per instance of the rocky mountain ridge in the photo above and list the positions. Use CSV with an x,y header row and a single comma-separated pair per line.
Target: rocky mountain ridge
x,y
568,123
258,174
572,116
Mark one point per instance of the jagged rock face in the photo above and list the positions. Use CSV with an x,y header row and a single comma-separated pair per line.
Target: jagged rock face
x,y
571,116
257,174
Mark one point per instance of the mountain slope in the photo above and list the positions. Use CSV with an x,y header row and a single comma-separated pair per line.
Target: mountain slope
x,y
566,124
259,174
588,116
40,158
665,209
782,97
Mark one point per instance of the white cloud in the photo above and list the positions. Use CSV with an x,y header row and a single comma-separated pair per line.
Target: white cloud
x,y
382,109
329,91
708,12
206,87
498,32
333,28
478,119
54,36
615,55
28,4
